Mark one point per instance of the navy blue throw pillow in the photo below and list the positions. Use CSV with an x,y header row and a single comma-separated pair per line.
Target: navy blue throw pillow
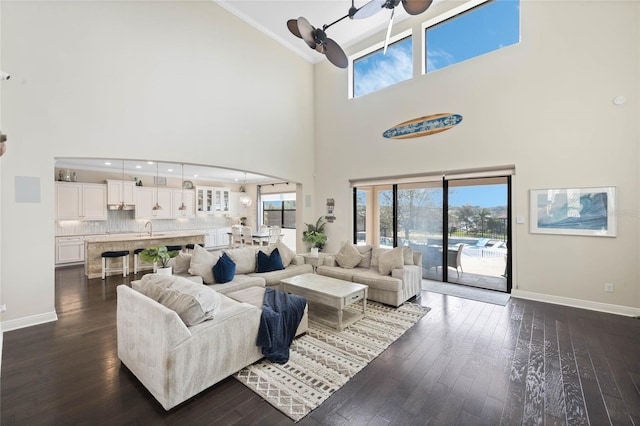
x,y
224,270
268,263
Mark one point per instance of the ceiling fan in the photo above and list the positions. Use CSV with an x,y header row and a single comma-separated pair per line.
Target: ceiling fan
x,y
317,39
412,7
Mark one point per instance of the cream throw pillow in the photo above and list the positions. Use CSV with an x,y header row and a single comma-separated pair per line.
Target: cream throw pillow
x,y
181,263
348,256
365,251
244,258
202,262
407,253
286,253
194,303
389,260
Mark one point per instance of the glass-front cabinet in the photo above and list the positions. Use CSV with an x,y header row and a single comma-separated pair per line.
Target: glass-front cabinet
x,y
211,200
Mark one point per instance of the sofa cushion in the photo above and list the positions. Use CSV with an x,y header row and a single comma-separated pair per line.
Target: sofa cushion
x,y
337,272
238,283
244,258
202,262
348,256
269,262
407,253
181,263
373,279
194,303
224,270
273,278
365,251
390,260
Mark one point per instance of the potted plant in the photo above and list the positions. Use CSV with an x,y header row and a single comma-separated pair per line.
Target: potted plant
x,y
159,256
315,236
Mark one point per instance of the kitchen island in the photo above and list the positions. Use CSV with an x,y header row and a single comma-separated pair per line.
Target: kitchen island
x,y
94,246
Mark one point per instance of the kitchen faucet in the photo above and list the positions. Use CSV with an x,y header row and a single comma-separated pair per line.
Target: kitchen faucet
x,y
150,228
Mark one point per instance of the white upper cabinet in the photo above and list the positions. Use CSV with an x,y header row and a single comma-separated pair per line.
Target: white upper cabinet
x,y
81,201
147,197
211,199
119,191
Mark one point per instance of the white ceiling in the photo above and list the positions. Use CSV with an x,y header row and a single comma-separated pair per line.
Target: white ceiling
x,y
172,170
271,18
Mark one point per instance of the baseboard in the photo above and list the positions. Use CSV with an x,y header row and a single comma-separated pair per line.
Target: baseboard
x,y
577,303
28,321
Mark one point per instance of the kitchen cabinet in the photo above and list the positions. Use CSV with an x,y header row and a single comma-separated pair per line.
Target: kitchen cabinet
x,y
119,190
189,197
211,199
147,197
216,238
81,201
69,250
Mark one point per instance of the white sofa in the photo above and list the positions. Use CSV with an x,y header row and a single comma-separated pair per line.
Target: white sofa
x,y
175,361
402,283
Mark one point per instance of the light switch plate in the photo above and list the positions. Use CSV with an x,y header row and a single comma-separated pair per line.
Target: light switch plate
x,y
520,219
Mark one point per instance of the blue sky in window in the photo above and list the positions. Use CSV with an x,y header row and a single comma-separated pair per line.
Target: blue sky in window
x,y
376,71
484,29
480,195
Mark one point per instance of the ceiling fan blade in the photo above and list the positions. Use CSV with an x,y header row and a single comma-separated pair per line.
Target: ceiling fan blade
x,y
386,40
306,32
369,9
335,54
416,7
292,24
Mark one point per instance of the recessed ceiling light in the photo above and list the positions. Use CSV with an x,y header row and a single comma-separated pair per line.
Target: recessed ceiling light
x,y
149,162
169,170
195,176
106,163
138,166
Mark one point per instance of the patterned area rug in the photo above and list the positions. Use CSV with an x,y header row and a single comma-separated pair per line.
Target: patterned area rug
x,y
324,359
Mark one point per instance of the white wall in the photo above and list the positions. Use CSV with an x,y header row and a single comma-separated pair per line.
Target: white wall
x,y
544,105
169,81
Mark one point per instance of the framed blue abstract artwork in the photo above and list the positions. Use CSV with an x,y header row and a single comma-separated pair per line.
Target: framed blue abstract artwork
x,y
574,211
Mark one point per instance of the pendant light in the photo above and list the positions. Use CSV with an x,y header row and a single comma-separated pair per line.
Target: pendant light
x,y
245,200
183,208
121,206
154,209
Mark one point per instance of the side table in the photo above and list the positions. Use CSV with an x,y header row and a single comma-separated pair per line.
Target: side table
x,y
314,261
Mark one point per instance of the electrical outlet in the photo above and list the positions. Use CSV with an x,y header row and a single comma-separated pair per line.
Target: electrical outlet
x,y
608,287
3,308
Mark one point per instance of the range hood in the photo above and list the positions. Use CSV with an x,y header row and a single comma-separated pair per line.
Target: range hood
x,y
121,206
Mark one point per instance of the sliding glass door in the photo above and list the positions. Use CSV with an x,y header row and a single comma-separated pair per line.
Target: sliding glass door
x,y
478,218
461,226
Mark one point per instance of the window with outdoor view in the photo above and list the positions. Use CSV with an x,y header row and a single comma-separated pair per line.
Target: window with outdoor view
x,y
377,70
483,29
280,210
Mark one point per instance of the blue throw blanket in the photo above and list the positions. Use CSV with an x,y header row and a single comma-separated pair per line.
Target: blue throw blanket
x,y
281,315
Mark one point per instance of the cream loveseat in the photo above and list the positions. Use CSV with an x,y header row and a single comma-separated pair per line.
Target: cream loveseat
x,y
393,275
198,267
176,361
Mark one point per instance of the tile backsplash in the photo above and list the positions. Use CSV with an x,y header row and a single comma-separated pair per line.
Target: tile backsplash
x,y
124,221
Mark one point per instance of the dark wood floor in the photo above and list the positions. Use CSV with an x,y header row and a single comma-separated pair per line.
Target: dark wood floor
x,y
464,363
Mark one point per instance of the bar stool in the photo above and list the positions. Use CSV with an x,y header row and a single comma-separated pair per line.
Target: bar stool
x,y
191,246
124,254
174,248
136,262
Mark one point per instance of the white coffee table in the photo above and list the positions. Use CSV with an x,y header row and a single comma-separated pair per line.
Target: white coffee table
x,y
329,295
